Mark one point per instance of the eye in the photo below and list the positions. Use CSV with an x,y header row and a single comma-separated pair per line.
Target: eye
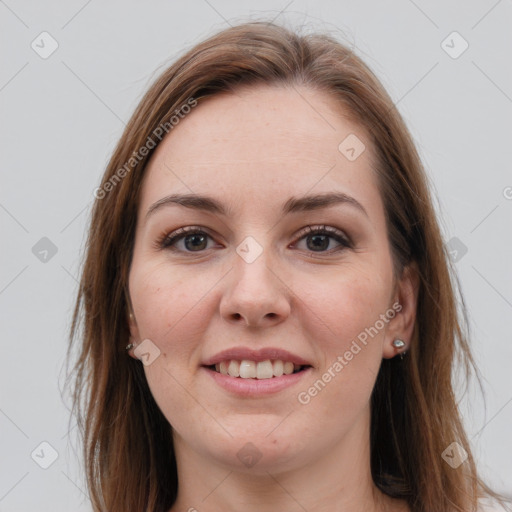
x,y
194,239
320,238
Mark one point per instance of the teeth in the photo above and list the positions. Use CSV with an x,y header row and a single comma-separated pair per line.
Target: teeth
x,y
288,368
223,367
278,368
234,369
246,369
264,370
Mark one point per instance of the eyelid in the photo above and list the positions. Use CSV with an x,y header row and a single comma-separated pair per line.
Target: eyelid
x,y
167,240
317,228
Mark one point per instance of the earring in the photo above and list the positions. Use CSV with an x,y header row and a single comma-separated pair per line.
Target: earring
x,y
398,343
130,346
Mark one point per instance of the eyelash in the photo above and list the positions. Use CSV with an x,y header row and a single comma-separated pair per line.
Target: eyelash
x,y
166,241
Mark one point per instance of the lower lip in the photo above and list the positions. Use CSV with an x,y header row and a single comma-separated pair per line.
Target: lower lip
x,y
256,387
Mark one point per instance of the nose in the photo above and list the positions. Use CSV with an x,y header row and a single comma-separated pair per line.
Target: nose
x,y
256,294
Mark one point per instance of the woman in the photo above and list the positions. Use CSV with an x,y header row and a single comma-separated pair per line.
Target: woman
x,y
269,318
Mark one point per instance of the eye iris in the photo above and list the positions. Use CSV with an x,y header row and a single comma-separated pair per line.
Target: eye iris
x,y
198,241
322,239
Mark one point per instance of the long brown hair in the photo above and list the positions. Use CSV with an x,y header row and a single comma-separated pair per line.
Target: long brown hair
x,y
128,449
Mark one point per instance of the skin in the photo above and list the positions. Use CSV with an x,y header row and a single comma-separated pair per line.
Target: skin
x,y
252,151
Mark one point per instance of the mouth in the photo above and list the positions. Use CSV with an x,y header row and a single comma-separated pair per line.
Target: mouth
x,y
260,370
246,372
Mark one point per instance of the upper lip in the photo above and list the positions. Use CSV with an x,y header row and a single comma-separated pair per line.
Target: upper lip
x,y
263,354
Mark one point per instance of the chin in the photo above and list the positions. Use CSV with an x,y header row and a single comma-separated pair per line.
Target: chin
x,y
270,449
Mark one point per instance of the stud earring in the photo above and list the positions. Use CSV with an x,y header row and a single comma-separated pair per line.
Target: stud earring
x,y
130,345
398,343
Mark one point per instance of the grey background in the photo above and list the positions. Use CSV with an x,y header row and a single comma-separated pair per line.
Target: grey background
x,y
61,117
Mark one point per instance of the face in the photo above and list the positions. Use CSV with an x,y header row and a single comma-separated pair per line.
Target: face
x,y
266,276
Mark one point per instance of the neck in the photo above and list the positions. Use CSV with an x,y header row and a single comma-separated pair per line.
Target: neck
x,y
339,480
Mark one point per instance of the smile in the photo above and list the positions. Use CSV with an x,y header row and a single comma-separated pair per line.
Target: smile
x,y
246,369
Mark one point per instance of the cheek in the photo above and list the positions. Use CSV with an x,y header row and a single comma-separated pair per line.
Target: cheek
x,y
170,311
343,320
169,305
344,305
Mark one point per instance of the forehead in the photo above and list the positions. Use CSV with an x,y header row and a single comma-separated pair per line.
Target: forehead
x,y
264,141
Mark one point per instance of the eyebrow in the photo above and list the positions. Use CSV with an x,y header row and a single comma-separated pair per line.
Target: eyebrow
x,y
292,205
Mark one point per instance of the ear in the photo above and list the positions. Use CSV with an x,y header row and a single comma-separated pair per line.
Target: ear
x,y
134,334
401,326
